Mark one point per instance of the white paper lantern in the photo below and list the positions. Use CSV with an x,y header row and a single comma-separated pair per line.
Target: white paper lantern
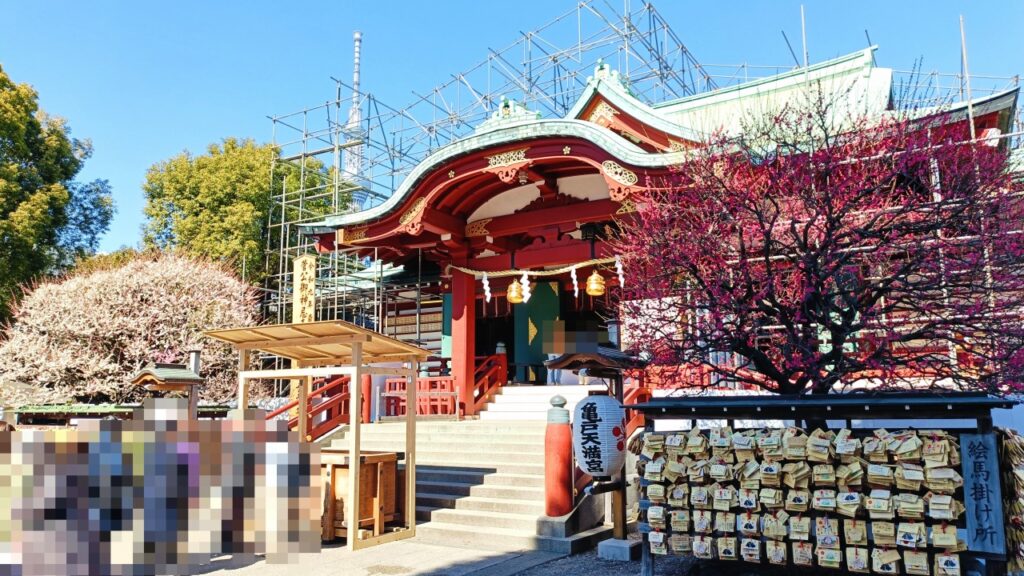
x,y
599,435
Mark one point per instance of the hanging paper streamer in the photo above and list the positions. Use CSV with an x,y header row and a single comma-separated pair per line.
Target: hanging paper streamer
x,y
575,283
525,281
487,289
618,269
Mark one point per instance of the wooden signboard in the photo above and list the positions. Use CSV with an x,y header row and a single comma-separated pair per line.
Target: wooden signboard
x,y
982,494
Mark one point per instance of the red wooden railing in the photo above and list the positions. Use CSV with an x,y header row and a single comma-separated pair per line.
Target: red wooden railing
x,y
335,393
635,391
440,395
435,396
491,373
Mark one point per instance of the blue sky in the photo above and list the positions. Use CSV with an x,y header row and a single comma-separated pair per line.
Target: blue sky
x,y
146,80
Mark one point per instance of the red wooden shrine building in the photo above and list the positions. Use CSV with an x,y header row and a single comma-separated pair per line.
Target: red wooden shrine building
x,y
541,195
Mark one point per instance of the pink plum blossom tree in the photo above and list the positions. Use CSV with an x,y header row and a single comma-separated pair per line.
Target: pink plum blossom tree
x,y
810,254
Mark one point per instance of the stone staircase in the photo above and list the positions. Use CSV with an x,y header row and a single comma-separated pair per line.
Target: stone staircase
x,y
532,402
480,483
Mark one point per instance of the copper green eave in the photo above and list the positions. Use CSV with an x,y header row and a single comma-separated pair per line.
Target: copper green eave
x,y
523,131
169,374
604,84
677,118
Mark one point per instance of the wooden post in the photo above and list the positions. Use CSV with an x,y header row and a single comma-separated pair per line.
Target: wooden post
x,y
305,383
410,447
355,463
378,500
243,386
303,310
646,558
463,338
619,496
193,402
328,478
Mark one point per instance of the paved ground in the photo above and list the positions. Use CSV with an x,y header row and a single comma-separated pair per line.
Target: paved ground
x,y
415,558
588,564
403,558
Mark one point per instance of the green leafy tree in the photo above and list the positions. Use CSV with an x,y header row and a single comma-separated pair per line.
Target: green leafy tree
x,y
218,204
47,220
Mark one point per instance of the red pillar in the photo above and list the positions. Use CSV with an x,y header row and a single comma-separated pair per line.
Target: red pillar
x,y
366,386
464,337
558,469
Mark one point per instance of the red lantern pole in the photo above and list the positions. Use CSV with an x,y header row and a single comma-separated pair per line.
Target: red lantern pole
x,y
558,460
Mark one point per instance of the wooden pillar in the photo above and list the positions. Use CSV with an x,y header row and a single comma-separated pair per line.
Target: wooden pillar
x,y
409,514
243,386
303,310
193,402
619,497
355,466
464,337
305,383
293,389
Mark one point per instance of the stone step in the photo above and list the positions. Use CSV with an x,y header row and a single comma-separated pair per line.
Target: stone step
x,y
425,473
452,455
460,429
500,441
476,537
526,523
520,407
532,467
566,389
482,490
468,445
531,400
496,438
498,416
430,501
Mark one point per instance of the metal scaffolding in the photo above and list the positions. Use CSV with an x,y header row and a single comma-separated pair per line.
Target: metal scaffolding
x,y
353,151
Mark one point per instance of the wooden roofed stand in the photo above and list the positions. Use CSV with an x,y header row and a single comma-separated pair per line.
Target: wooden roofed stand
x,y
333,349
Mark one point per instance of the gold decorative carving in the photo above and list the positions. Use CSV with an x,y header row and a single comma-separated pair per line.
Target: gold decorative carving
x,y
507,158
531,331
507,165
351,235
617,172
620,180
566,150
626,207
603,114
451,174
478,228
413,211
676,146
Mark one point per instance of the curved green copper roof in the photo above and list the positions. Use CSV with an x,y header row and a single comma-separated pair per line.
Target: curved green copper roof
x,y
605,139
843,64
615,92
523,125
